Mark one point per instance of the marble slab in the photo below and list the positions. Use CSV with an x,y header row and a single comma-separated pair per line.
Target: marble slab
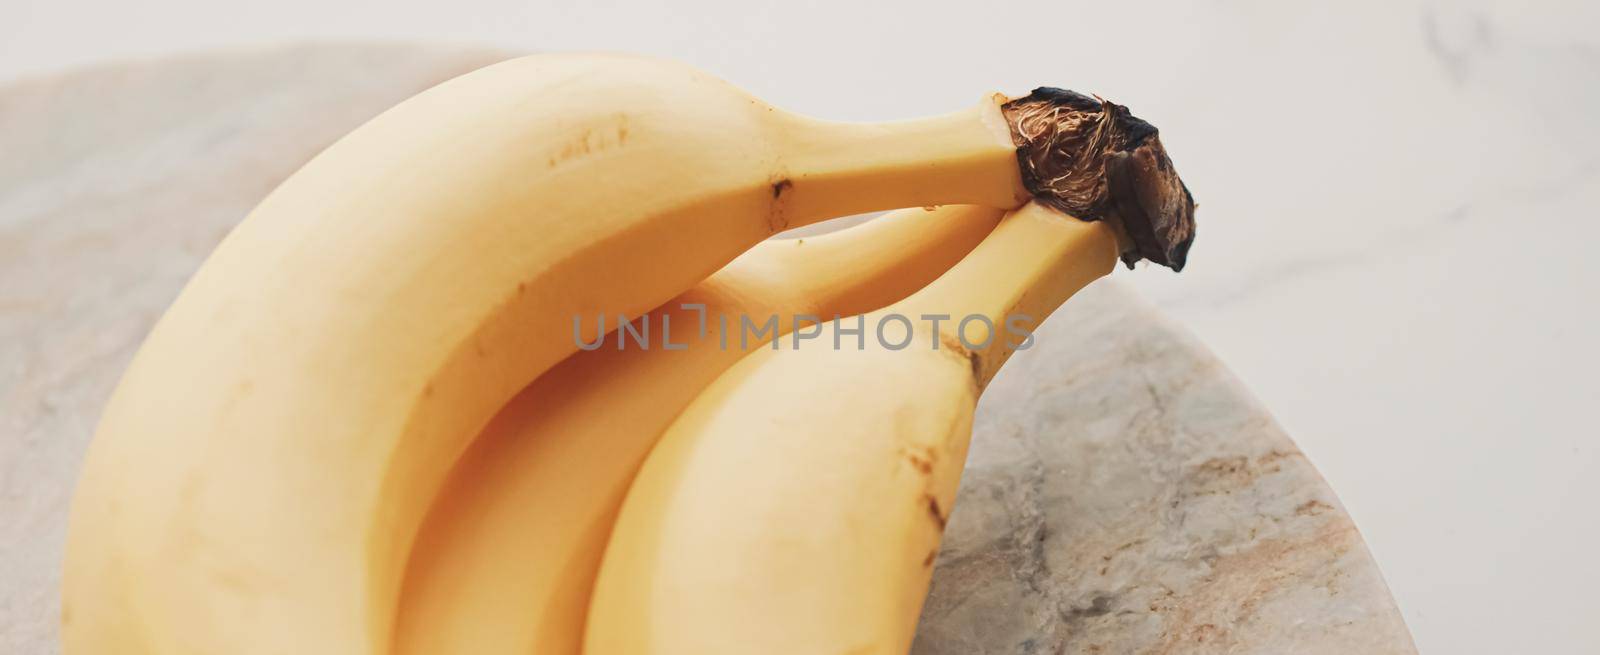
x,y
1124,493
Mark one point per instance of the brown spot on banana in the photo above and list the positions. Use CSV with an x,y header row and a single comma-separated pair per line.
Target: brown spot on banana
x,y
921,458
777,220
952,344
936,512
591,140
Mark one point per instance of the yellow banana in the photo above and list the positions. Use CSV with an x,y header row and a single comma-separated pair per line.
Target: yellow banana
x,y
507,557
260,472
796,506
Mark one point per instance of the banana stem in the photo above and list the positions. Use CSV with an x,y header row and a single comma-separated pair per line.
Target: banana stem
x,y
993,300
1083,156
967,157
1092,159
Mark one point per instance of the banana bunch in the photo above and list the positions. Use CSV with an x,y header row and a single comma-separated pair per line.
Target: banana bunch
x,y
378,418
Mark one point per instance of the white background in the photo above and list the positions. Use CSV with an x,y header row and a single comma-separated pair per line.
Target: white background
x,y
1397,219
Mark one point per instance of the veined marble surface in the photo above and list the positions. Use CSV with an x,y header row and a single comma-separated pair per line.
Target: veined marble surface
x,y
1124,494
1397,204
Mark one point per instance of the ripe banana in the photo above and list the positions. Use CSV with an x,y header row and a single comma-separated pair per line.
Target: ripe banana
x,y
507,556
796,505
260,472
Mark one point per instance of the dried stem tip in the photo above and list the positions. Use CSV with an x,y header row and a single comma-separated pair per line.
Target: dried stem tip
x,y
1095,161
